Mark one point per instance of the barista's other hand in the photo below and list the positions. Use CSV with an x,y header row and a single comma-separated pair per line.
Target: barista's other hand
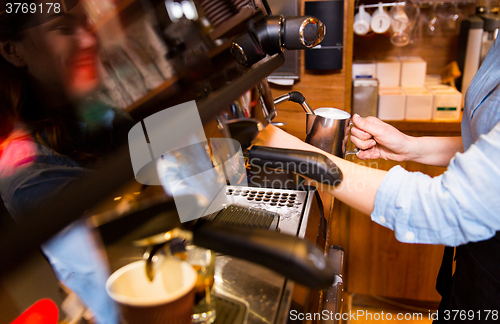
x,y
377,139
272,136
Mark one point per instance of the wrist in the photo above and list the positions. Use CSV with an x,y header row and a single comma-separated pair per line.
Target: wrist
x,y
414,148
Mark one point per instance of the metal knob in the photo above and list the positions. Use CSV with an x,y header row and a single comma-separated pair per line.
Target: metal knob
x,y
303,32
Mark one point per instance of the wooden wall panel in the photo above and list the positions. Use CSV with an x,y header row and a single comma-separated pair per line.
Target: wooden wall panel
x,y
321,89
380,265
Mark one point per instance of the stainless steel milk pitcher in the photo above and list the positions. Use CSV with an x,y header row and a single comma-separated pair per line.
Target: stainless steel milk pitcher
x,y
326,128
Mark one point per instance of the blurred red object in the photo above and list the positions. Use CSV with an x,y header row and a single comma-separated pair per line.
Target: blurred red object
x,y
44,311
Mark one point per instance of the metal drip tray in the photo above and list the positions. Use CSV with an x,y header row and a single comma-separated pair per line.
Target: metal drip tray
x,y
275,199
287,205
229,310
247,216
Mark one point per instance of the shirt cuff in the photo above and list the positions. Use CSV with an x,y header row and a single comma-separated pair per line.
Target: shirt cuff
x,y
389,211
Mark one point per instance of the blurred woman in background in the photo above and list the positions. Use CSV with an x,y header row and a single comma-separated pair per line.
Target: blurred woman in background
x,y
49,136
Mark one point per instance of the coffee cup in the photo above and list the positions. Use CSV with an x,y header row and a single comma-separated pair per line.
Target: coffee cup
x,y
381,21
362,22
168,299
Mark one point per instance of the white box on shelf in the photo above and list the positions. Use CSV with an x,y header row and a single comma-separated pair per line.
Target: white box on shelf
x,y
447,104
391,103
413,71
364,69
388,72
441,87
418,103
431,79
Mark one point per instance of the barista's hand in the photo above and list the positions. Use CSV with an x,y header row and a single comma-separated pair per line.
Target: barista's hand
x,y
377,139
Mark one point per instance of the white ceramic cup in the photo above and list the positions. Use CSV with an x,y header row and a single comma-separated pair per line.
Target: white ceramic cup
x,y
169,298
362,22
381,21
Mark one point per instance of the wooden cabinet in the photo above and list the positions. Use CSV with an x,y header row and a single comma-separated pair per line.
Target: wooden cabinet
x,y
378,264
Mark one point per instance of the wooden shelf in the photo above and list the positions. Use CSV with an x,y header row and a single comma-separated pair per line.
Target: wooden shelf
x,y
232,23
162,92
171,92
428,127
178,88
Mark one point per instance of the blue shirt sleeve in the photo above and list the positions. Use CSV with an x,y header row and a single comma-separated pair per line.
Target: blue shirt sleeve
x,y
461,205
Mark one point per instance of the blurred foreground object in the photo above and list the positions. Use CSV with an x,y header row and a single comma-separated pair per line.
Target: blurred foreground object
x,y
43,311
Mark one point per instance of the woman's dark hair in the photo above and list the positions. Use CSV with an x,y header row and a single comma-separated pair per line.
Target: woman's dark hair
x,y
11,79
11,94
18,100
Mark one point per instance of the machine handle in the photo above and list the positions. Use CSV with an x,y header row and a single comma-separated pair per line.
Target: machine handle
x,y
297,97
311,164
295,258
302,32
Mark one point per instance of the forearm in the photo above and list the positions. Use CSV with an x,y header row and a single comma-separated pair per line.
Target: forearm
x,y
359,186
436,151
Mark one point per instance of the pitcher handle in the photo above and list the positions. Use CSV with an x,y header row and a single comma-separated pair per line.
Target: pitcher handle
x,y
355,152
356,149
